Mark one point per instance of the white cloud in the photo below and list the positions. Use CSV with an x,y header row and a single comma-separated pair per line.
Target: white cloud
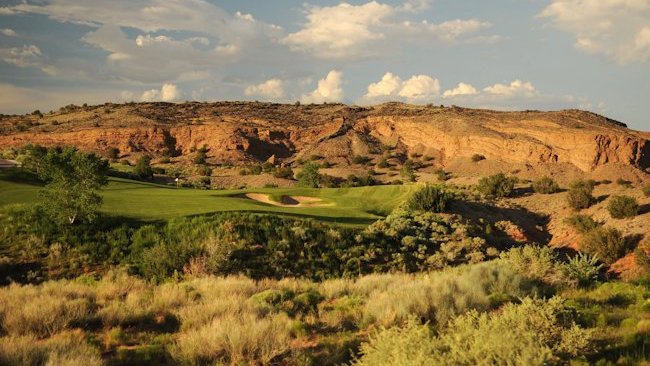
x,y
272,89
356,31
461,89
515,88
26,56
391,87
328,90
9,32
619,29
167,93
420,87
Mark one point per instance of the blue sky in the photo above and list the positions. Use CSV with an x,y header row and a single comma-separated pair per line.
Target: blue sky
x,y
502,54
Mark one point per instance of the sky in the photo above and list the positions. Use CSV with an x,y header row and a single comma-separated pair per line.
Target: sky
x,y
499,54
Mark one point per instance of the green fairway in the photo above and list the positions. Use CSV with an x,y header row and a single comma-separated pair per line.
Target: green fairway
x,y
148,201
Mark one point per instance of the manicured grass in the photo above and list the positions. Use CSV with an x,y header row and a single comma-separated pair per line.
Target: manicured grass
x,y
148,201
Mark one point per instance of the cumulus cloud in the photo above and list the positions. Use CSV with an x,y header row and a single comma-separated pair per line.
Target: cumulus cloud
x,y
26,56
353,31
9,32
167,93
329,89
618,29
517,87
461,89
198,35
272,89
391,87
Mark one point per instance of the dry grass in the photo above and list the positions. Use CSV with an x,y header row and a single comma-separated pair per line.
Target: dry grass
x,y
65,349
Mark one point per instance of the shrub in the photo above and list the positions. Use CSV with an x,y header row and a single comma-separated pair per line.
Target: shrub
x,y
583,269
283,172
113,153
642,255
201,155
67,349
430,198
580,194
383,164
442,175
408,172
361,160
535,262
624,183
582,223
646,190
535,332
608,244
204,171
545,185
477,157
621,207
496,185
235,339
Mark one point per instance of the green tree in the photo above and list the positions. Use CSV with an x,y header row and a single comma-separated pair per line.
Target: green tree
x,y
621,207
73,180
143,168
309,176
580,194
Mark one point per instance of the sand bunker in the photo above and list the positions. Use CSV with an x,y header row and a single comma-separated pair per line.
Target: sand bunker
x,y
288,201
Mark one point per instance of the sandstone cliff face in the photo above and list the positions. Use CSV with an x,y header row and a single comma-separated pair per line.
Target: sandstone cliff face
x,y
241,132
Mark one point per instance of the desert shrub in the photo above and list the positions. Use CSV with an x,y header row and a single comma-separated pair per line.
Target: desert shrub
x,y
642,254
608,244
583,269
361,160
442,175
439,296
383,163
30,311
535,262
545,185
582,223
621,207
408,171
497,185
201,155
113,153
624,183
283,172
233,339
125,162
67,349
430,198
580,195
477,157
535,332
646,190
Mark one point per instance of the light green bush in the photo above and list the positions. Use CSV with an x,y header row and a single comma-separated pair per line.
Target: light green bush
x,y
535,262
535,332
545,185
583,269
497,185
430,198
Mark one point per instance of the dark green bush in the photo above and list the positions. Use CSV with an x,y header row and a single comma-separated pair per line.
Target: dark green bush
x,y
646,190
477,157
113,153
621,207
143,168
361,160
606,243
582,223
309,176
642,255
430,198
545,185
497,185
580,195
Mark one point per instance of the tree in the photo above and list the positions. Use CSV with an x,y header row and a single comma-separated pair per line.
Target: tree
x,y
201,155
309,176
143,168
73,180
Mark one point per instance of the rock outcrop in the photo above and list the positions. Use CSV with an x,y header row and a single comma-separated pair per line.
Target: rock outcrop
x,y
245,132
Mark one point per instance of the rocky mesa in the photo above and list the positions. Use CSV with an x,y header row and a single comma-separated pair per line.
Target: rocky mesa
x,y
246,132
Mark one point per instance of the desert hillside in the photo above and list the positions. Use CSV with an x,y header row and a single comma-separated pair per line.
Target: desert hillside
x,y
568,142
